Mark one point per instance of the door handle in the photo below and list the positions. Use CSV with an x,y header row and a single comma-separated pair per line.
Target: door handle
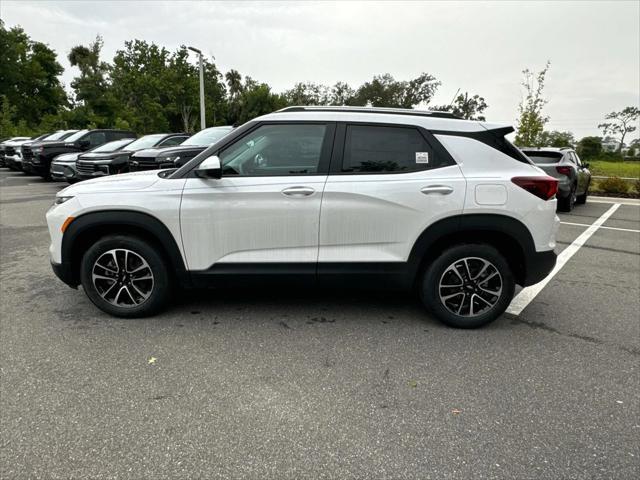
x,y
298,191
437,189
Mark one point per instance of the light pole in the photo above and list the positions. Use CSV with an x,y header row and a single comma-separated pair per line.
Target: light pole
x,y
203,122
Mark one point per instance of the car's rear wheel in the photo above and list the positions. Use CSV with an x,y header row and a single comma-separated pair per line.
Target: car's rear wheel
x,y
582,199
468,286
566,204
125,276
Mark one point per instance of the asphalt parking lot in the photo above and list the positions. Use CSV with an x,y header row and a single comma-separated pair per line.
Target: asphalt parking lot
x,y
263,384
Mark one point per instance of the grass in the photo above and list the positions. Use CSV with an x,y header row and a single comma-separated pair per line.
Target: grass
x,y
604,168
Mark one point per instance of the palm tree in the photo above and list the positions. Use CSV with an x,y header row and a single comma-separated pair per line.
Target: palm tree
x,y
234,80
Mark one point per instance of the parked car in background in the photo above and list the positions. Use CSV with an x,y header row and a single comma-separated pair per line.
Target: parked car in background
x,y
564,164
43,153
27,153
172,157
64,167
339,197
4,144
98,163
13,153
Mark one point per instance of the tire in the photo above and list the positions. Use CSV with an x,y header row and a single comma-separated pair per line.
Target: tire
x,y
582,199
137,295
566,204
471,312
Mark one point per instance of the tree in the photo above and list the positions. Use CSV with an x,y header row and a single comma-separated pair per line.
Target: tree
x,y
307,94
531,123
385,91
29,78
91,87
464,106
341,94
557,139
622,122
589,147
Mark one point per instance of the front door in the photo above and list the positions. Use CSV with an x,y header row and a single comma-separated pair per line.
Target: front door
x,y
263,214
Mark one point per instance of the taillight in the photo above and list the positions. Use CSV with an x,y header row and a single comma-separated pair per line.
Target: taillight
x,y
542,187
564,171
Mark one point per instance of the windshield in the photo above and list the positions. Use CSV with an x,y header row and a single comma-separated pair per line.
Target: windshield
x,y
76,136
59,135
208,136
544,157
146,141
112,146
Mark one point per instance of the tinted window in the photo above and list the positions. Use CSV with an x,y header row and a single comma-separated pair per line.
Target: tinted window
x,y
275,150
96,138
385,149
543,157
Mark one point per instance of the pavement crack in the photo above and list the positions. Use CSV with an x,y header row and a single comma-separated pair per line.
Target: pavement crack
x,y
585,338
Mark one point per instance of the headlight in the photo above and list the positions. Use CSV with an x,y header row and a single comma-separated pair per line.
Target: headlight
x,y
36,149
60,200
173,159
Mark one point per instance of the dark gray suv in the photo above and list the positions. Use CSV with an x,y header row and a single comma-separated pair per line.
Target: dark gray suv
x,y
564,164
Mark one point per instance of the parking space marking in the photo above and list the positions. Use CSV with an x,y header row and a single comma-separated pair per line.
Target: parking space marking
x,y
603,200
602,226
526,295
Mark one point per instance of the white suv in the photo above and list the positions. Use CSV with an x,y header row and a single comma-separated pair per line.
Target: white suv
x,y
332,197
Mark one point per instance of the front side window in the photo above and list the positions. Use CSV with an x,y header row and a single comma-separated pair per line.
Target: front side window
x,y
276,150
382,149
96,138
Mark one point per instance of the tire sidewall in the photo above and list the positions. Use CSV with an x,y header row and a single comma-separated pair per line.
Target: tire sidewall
x,y
145,250
431,281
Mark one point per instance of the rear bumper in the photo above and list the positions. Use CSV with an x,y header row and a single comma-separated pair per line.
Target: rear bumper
x,y
65,273
537,266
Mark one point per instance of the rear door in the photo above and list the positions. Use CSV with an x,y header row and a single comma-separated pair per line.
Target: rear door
x,y
386,185
265,209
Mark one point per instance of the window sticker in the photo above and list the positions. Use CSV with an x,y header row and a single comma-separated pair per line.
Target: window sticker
x,y
422,157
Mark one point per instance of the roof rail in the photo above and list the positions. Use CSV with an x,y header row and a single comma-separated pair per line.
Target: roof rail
x,y
393,111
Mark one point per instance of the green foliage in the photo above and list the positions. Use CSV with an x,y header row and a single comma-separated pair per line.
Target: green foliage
x,y
621,123
636,186
91,87
557,139
589,147
530,125
607,168
613,185
464,106
29,80
385,91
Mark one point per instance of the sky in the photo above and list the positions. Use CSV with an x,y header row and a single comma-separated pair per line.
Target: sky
x,y
479,47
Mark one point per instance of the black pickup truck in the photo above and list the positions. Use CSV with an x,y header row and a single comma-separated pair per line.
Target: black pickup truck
x,y
38,156
172,157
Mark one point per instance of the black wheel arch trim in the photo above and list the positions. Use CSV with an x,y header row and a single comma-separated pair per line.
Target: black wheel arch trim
x,y
460,229
139,221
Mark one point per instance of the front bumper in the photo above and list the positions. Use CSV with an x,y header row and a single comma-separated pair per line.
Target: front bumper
x,y
65,273
537,266
63,172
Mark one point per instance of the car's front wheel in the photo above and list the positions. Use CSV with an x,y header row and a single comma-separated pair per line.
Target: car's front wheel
x,y
468,286
125,276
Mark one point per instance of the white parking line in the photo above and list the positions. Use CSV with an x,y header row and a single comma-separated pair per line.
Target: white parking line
x,y
602,226
526,295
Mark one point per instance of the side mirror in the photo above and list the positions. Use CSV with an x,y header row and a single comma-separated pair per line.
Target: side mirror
x,y
210,168
585,164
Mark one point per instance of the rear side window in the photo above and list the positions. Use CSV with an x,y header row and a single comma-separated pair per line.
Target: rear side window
x,y
544,157
382,149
